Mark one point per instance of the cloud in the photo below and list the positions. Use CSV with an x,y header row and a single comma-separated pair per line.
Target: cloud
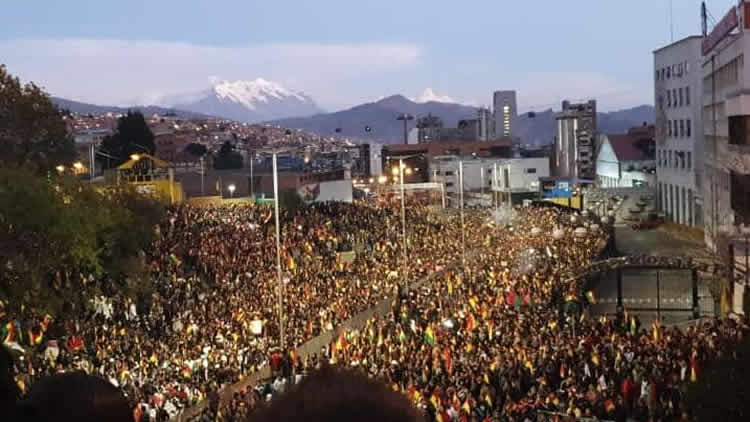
x,y
126,72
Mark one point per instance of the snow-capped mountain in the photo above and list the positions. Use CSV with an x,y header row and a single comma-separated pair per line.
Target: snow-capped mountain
x,y
429,95
246,101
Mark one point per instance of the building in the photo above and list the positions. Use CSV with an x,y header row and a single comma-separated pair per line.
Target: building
x,y
429,128
726,124
678,84
517,177
575,141
626,160
418,156
484,129
505,112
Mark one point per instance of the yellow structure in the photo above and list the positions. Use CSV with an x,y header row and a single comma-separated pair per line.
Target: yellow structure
x,y
575,202
151,176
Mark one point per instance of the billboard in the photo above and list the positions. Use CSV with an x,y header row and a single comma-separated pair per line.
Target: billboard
x,y
337,190
720,31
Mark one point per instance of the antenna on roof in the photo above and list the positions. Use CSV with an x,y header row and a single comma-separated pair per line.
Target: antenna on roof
x,y
671,22
704,19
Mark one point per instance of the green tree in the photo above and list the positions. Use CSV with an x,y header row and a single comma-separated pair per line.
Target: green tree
x,y
133,136
33,132
197,150
290,200
228,158
722,390
53,233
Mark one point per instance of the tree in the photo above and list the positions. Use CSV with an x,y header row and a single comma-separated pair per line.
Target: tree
x,y
290,200
54,233
722,390
33,132
133,136
197,150
228,158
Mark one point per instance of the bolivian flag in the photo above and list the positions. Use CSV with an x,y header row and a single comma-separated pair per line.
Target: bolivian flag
x,y
429,336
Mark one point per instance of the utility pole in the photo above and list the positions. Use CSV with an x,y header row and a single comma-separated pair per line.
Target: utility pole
x,y
278,253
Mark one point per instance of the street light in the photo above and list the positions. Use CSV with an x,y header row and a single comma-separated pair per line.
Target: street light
x,y
231,188
60,168
135,157
278,252
382,179
78,165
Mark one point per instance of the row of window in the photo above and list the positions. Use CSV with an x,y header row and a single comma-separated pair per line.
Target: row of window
x,y
678,97
681,128
675,71
681,160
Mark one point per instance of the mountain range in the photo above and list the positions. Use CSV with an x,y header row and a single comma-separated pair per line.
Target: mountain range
x,y
86,108
380,117
265,101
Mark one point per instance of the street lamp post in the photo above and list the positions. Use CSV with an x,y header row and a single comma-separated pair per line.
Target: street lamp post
x,y
278,252
403,219
461,198
203,178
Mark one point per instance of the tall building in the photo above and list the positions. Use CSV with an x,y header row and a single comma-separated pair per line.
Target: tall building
x,y
430,128
726,124
678,82
505,111
575,141
484,115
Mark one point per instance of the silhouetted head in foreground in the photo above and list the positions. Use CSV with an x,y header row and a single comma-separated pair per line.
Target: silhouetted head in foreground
x,y
8,389
74,397
337,395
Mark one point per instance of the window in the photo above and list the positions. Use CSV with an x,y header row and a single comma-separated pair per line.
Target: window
x,y
682,160
669,98
668,74
670,162
669,127
674,97
682,128
531,171
449,173
687,67
689,160
687,95
687,128
675,128
657,75
680,102
449,184
679,70
661,102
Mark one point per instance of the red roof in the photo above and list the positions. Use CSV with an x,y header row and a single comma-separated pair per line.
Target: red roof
x,y
626,149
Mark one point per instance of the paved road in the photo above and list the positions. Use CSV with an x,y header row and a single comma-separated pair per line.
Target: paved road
x,y
640,286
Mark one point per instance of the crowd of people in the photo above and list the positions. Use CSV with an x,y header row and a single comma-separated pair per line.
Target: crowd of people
x,y
490,340
210,314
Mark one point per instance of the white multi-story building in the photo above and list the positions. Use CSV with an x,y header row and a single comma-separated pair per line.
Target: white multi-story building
x,y
726,124
505,112
678,84
514,175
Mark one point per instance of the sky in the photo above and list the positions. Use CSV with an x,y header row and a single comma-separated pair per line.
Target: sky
x,y
347,52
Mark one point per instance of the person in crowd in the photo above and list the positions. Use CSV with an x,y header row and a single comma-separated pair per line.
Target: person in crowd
x,y
338,395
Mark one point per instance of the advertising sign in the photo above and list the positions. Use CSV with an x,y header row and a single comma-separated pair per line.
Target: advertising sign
x,y
337,190
720,31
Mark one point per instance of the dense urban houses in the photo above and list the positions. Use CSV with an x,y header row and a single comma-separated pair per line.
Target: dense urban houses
x,y
679,136
726,123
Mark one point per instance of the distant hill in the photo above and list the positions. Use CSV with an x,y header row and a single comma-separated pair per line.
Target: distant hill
x,y
381,116
85,108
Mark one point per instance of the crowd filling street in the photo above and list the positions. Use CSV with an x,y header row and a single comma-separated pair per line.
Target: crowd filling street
x,y
500,338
